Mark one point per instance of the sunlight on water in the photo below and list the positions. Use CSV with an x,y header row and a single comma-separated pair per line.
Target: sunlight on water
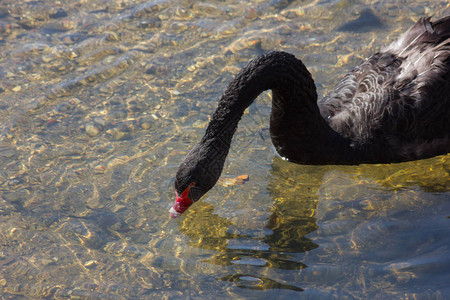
x,y
101,100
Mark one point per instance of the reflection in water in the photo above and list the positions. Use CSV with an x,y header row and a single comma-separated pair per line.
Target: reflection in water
x,y
290,221
276,247
258,282
295,191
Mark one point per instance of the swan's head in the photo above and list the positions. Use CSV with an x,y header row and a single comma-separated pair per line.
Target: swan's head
x,y
195,177
182,200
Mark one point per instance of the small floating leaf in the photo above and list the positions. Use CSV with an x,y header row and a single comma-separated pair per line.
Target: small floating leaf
x,y
231,181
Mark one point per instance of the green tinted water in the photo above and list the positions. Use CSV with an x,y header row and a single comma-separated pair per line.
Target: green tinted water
x,y
101,100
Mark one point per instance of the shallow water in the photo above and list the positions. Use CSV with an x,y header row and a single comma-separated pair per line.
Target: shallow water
x,y
100,101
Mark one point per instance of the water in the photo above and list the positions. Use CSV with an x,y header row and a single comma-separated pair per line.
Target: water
x,y
100,101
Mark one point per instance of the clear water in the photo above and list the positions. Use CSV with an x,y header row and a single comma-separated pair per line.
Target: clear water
x,y
99,102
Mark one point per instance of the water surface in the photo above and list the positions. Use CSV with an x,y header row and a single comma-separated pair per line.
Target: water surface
x,y
100,101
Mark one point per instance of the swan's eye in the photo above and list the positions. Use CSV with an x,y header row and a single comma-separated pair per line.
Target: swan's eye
x,y
192,184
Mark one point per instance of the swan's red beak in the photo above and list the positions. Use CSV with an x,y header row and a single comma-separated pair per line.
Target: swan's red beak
x,y
182,203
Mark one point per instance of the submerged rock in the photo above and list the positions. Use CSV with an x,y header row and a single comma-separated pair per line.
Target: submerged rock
x,y
366,21
92,129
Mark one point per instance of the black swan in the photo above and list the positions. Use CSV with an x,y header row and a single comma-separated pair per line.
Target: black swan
x,y
393,107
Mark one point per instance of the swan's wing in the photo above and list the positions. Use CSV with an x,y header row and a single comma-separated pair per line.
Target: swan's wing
x,y
355,108
399,97
425,78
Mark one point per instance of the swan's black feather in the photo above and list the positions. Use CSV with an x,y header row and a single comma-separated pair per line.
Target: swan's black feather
x,y
399,98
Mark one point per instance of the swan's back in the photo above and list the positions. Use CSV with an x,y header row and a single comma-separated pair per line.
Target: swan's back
x,y
396,105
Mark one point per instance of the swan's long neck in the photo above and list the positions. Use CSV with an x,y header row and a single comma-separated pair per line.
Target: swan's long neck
x,y
297,129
